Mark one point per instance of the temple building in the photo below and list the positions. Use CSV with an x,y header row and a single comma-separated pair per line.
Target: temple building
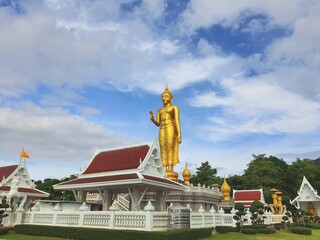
x,y
132,176
125,174
16,186
17,190
307,199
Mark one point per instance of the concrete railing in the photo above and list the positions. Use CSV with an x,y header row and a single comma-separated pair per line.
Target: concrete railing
x,y
147,220
202,219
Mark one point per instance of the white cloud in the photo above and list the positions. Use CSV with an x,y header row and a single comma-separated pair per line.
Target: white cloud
x,y
229,13
260,108
52,134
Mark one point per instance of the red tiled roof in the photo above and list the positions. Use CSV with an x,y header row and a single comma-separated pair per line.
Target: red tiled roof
x,y
120,159
163,180
247,196
24,190
100,179
6,171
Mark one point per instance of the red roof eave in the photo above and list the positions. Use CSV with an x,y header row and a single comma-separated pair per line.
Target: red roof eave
x,y
28,191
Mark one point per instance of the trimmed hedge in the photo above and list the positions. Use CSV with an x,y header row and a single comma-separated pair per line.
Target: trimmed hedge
x,y
313,225
109,234
294,224
301,230
277,226
4,230
266,230
249,231
257,226
225,229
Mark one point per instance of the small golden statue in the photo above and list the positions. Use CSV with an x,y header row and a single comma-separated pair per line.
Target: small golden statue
x,y
168,118
310,209
277,207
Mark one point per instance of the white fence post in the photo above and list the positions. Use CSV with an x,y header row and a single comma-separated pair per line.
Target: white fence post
x,y
201,210
149,209
114,207
213,212
234,222
19,213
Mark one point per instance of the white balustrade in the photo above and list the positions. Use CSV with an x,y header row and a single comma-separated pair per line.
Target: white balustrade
x,y
147,220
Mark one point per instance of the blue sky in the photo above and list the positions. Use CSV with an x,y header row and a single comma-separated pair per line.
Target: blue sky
x,y
81,75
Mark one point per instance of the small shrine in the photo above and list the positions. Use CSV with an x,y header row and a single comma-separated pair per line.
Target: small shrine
x,y
307,199
16,188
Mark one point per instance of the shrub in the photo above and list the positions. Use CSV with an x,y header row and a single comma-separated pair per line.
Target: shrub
x,y
313,225
4,230
278,226
266,230
249,231
225,229
295,224
258,226
102,234
301,230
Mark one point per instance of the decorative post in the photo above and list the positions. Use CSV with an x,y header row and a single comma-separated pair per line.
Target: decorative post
x,y
233,212
149,209
114,207
201,211
213,212
19,214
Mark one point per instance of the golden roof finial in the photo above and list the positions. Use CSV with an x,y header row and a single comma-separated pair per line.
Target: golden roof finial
x,y
225,189
186,175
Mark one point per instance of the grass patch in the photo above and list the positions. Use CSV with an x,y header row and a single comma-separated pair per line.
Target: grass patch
x,y
14,236
279,235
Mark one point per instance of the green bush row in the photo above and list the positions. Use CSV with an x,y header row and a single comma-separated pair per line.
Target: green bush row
x,y
4,230
277,226
301,230
225,229
249,231
266,230
313,225
298,224
109,234
258,230
257,226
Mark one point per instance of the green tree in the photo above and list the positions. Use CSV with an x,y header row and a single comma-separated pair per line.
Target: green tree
x,y
300,168
47,186
267,172
240,216
257,213
205,175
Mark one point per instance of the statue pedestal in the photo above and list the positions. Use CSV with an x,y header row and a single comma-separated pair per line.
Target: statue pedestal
x,y
172,175
226,205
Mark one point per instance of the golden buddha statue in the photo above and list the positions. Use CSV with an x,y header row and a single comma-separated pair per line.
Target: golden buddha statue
x,y
310,209
225,189
168,119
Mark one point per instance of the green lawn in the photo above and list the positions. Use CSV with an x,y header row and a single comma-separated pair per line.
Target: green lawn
x,y
13,236
279,235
